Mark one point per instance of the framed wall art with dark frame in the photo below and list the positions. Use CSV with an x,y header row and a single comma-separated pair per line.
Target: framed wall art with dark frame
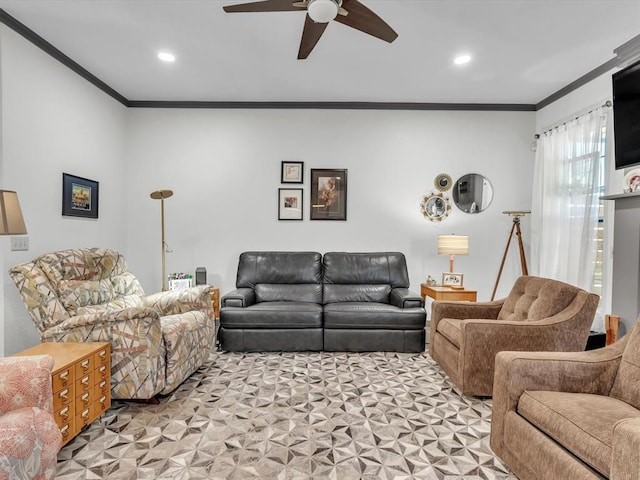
x,y
328,194
290,203
79,196
292,172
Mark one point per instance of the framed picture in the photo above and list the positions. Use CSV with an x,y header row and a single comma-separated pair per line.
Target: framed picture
x,y
79,196
452,280
292,172
328,194
289,204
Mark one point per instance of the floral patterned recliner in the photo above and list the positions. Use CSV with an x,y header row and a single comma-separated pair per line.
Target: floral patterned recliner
x,y
89,295
29,437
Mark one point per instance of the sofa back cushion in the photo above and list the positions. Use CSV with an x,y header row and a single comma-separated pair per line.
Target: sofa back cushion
x,y
535,298
281,276
626,386
363,277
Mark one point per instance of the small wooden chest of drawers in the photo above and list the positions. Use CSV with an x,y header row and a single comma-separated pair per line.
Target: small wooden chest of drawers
x,y
81,381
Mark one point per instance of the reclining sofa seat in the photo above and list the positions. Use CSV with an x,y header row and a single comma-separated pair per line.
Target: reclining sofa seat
x,y
295,301
368,305
277,303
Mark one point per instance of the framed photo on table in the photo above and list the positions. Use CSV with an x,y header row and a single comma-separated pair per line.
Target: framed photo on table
x,y
328,194
289,204
453,280
79,196
292,172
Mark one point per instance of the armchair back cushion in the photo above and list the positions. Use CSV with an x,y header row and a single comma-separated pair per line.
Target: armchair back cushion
x,y
363,277
281,276
536,298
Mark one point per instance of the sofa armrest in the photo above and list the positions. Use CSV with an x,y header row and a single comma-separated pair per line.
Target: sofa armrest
x,y
592,372
240,297
405,298
27,383
626,445
182,301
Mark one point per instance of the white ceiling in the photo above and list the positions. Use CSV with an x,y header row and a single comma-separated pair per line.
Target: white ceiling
x,y
523,50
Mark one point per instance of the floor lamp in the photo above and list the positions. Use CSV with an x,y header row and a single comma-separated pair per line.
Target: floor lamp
x,y
161,195
515,215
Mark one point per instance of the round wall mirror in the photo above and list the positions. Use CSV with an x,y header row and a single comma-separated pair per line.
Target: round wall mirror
x,y
435,207
472,193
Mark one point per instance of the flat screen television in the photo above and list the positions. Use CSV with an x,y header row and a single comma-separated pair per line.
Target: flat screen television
x,y
626,116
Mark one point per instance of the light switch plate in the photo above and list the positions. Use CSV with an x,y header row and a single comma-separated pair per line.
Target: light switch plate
x,y
20,243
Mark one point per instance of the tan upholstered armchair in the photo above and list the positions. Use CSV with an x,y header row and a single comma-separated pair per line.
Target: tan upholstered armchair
x,y
573,415
29,436
89,295
538,315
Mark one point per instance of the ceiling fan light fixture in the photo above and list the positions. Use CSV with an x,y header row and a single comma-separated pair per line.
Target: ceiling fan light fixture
x,y
323,11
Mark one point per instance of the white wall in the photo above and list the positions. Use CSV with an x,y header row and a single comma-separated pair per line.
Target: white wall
x,y
224,168
53,121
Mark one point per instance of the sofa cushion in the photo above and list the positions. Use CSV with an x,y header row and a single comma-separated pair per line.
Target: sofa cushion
x,y
366,268
356,293
450,329
286,292
626,386
273,315
582,423
372,315
535,298
278,268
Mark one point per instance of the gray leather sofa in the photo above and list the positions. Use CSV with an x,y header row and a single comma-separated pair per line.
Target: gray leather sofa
x,y
295,301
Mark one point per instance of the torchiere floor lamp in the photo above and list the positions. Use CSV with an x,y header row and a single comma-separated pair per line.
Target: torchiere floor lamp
x,y
161,195
515,214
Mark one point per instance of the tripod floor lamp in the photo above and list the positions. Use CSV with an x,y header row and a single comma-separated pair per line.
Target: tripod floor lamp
x,y
161,195
515,215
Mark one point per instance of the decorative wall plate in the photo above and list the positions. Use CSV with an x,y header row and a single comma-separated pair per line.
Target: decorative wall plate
x,y
632,181
443,182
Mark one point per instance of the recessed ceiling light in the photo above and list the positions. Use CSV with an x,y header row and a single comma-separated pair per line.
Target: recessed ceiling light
x,y
462,59
166,57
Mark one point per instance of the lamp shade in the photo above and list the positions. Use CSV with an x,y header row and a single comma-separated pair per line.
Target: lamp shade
x,y
322,11
453,245
11,221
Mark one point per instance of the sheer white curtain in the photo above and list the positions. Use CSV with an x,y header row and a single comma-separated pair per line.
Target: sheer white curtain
x,y
566,188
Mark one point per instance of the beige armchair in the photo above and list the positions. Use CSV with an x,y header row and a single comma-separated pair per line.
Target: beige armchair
x,y
539,314
573,415
89,295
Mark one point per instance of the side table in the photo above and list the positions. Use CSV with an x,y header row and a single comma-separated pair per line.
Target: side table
x,y
81,381
448,293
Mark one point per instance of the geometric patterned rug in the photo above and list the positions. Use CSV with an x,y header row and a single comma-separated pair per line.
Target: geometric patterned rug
x,y
289,416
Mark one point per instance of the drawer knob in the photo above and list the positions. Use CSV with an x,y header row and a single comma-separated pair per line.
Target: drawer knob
x,y
64,412
65,431
85,364
85,398
64,394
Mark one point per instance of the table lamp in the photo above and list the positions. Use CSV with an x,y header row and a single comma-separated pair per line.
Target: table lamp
x,y
453,245
11,221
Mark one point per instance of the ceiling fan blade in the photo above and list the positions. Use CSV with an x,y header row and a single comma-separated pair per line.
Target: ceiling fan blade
x,y
363,19
265,6
310,36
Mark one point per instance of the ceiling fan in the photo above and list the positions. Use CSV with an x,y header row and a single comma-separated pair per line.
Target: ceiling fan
x,y
351,13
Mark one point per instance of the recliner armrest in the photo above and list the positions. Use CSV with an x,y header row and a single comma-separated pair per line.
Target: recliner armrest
x,y
240,297
405,298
